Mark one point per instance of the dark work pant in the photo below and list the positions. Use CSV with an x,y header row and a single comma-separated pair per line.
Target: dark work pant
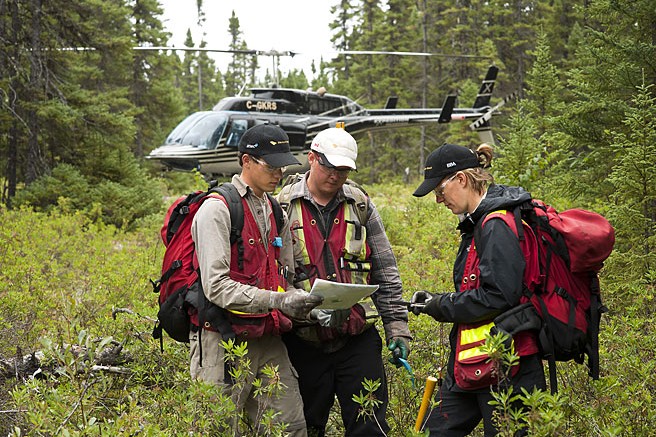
x,y
458,413
324,375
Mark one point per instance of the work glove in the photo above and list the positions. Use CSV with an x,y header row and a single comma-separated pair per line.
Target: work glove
x,y
427,303
295,303
400,349
331,318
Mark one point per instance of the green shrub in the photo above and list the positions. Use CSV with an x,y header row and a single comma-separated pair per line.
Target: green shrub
x,y
120,203
68,278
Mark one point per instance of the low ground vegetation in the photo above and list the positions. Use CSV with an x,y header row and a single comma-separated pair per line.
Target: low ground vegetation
x,y
68,279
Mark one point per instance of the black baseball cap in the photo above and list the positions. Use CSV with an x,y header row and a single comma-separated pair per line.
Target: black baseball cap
x,y
269,142
443,161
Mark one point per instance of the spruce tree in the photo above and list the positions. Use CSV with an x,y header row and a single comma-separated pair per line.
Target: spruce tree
x,y
634,181
153,90
237,74
613,57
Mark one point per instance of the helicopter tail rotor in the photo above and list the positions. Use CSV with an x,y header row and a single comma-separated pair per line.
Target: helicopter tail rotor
x,y
482,124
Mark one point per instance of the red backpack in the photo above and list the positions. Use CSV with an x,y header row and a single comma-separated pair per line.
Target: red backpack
x,y
571,248
179,288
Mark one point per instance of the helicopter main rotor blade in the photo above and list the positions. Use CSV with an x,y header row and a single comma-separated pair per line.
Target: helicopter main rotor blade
x,y
292,54
384,52
210,49
196,49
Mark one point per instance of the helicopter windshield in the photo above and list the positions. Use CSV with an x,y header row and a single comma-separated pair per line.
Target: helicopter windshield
x,y
201,129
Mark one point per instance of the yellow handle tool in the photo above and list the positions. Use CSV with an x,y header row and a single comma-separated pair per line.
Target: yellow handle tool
x,y
431,381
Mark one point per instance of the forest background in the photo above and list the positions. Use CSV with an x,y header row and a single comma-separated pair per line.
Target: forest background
x,y
81,208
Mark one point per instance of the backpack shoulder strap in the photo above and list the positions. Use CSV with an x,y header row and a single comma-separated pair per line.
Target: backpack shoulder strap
x,y
358,197
235,207
478,228
277,212
284,196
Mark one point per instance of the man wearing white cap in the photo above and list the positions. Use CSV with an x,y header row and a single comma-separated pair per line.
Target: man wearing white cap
x,y
338,236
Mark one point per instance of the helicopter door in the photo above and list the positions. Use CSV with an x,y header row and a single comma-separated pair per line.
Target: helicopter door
x,y
237,129
296,133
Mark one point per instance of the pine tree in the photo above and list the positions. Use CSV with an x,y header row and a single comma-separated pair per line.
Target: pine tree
x,y
239,66
343,35
202,83
634,181
613,56
190,83
153,89
514,25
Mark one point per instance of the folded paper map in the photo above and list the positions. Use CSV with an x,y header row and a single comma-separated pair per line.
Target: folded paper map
x,y
338,296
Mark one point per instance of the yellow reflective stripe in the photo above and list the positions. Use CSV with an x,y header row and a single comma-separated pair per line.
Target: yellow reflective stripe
x,y
471,336
470,353
358,266
354,247
468,336
297,213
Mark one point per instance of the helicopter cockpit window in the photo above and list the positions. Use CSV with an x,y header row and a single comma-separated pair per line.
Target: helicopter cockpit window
x,y
206,132
236,131
181,130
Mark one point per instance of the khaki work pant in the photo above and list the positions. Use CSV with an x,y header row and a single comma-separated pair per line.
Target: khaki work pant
x,y
267,350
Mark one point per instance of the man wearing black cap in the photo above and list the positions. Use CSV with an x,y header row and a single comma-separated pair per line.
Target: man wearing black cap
x,y
488,281
251,290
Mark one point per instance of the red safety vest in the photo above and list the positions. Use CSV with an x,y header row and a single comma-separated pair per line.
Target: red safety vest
x,y
343,256
472,368
259,269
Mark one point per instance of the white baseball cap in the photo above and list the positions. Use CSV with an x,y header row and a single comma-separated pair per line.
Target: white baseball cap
x,y
337,146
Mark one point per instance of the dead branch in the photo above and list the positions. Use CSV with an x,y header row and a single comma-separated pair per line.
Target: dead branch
x,y
116,311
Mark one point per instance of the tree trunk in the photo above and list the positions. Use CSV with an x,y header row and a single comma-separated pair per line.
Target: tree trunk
x,y
12,141
35,162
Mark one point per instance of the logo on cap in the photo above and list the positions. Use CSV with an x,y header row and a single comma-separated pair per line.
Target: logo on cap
x,y
450,164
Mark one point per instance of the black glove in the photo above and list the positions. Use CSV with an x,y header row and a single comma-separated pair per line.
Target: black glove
x,y
428,303
294,303
400,349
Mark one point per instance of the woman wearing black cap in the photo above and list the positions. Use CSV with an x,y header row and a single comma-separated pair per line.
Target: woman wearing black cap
x,y
488,278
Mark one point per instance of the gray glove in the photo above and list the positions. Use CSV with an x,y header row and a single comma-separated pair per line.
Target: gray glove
x,y
295,303
419,300
331,318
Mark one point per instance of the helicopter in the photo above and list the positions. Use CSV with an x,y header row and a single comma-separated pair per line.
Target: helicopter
x,y
207,141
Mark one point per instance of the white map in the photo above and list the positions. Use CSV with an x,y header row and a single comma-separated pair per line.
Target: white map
x,y
338,296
